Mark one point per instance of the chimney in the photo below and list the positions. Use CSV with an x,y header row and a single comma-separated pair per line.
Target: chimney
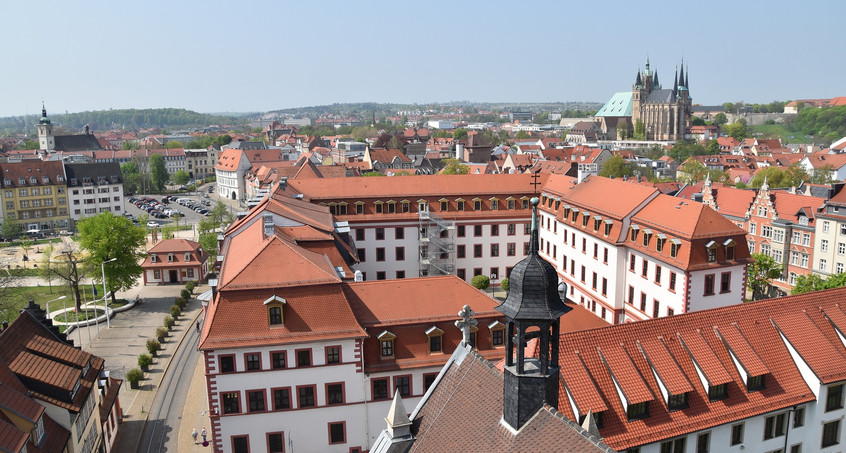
x,y
459,151
267,219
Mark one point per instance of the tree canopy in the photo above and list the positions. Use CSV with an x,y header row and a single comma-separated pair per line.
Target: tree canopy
x,y
813,282
455,167
791,176
107,236
158,172
181,177
761,273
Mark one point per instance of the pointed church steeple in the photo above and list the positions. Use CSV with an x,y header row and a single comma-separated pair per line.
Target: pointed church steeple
x,y
638,81
533,303
676,82
655,81
681,77
686,83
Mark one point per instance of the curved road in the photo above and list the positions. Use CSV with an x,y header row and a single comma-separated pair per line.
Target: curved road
x,y
166,411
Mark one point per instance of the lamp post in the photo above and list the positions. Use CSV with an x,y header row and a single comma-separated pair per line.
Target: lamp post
x,y
54,300
105,295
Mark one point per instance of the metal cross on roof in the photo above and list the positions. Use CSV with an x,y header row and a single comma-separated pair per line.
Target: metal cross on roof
x,y
465,323
535,181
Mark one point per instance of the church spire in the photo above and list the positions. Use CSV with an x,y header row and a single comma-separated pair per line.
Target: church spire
x,y
655,82
686,84
681,77
676,82
638,81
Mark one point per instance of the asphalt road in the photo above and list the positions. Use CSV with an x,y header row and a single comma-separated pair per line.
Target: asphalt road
x,y
160,432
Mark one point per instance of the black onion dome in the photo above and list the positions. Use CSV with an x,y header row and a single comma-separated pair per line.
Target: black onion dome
x,y
533,285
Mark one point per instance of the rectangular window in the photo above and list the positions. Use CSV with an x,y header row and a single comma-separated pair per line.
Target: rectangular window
x,y
305,396
337,433
709,285
253,361
511,249
632,262
231,405
831,434
605,255
674,446
402,384
725,282
460,251
399,233
703,443
637,411
774,426
604,286
477,230
718,392
631,295
494,250
333,354
380,254
428,380
335,393
380,388
256,400
359,234
277,360
477,250
834,398
657,274
583,274
362,255
400,253
461,273
240,444
276,442
381,275
737,434
494,230
824,245
303,357
281,399
511,230
595,251
435,343
460,232
227,363
656,307
593,282
644,268
643,302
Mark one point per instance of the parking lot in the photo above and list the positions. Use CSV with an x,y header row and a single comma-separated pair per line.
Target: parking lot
x,y
160,211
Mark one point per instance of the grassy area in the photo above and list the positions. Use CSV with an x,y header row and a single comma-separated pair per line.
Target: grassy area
x,y
786,133
70,317
15,299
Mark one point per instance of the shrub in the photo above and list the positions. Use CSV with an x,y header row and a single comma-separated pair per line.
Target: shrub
x,y
481,282
190,286
153,345
134,375
504,284
179,302
161,332
168,322
144,360
174,310
185,294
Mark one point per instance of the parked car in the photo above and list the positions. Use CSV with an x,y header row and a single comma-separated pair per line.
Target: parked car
x,y
211,189
206,203
152,224
64,233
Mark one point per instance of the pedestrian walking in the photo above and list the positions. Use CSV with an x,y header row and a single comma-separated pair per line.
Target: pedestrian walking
x,y
198,326
194,435
203,433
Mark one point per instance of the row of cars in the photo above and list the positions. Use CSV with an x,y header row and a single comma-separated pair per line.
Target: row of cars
x,y
198,207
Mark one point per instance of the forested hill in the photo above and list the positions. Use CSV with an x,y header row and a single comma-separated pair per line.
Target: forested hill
x,y
130,119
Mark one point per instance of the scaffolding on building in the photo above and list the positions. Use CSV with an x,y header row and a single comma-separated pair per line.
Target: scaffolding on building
x,y
437,245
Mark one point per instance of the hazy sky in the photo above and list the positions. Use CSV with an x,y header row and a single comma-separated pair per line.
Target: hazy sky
x,y
212,56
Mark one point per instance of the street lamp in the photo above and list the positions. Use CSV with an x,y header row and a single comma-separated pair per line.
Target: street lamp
x,y
54,300
105,303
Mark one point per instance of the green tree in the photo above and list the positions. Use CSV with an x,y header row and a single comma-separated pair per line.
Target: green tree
x,y
522,135
616,167
455,167
778,177
209,243
654,152
822,175
813,282
26,244
639,130
10,229
158,172
736,130
459,134
692,171
131,176
181,177
697,121
623,130
130,145
173,144
105,237
761,273
505,284
728,107
481,282
713,147
28,144
720,119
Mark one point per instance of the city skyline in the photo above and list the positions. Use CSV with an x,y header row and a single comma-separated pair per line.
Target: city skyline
x,y
211,57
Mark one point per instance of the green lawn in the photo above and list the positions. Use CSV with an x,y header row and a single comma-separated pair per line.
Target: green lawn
x,y
780,131
15,299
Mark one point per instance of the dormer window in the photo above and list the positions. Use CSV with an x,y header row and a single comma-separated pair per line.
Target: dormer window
x,y
711,248
497,330
585,218
459,204
275,306
45,179
674,248
39,432
718,392
444,204
359,207
386,344
633,232
755,383
154,258
392,207
405,206
729,245
7,181
494,204
187,257
436,336
524,202
379,207
33,180
676,402
170,257
597,220
647,235
512,203
566,213
21,180
659,242
477,204
575,215
608,225
637,411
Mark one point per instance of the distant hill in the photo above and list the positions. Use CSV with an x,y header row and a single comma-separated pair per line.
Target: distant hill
x,y
129,119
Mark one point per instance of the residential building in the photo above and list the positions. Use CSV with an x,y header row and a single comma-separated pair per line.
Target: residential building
x,y
234,162
94,188
35,194
58,394
829,243
175,261
412,226
199,163
639,254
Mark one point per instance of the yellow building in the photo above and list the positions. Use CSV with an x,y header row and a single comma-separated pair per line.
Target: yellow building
x,y
35,195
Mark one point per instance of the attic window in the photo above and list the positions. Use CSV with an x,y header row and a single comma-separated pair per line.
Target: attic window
x,y
170,257
187,257
275,316
405,206
153,258
557,204
45,179
575,214
386,344
497,330
676,402
659,242
477,204
633,232
21,180
637,411
608,225
585,218
444,204
674,248
755,383
359,207
566,211
712,251
379,206
33,180
392,207
459,204
647,235
718,392
729,244
60,178
436,336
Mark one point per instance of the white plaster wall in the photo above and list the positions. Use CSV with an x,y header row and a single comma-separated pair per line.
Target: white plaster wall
x,y
697,288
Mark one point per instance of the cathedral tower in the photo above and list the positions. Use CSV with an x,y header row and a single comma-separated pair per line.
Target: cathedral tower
x,y
46,139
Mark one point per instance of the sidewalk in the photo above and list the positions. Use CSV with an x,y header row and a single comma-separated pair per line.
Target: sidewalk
x,y
126,339
195,413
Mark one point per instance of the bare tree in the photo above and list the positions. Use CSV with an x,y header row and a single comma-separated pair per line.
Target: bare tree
x,y
66,263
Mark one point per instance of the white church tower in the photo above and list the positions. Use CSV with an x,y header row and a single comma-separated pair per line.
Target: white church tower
x,y
46,139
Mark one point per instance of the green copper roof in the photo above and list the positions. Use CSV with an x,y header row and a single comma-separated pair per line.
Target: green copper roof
x,y
619,105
